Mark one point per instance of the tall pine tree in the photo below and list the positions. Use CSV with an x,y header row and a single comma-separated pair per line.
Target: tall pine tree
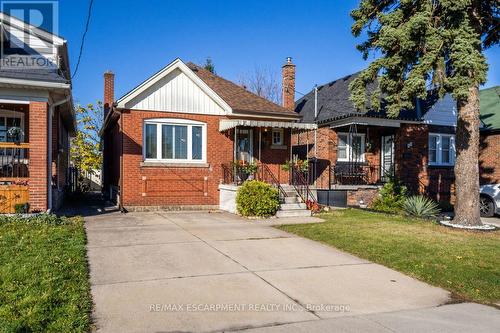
x,y
431,44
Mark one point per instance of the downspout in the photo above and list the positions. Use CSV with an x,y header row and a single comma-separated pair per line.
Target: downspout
x,y
315,132
120,203
49,155
315,118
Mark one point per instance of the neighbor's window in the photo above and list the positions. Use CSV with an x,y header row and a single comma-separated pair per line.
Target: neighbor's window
x,y
174,140
441,149
277,136
6,123
351,147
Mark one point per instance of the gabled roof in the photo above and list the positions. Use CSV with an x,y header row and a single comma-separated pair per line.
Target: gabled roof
x,y
123,102
489,101
51,75
230,96
240,99
334,103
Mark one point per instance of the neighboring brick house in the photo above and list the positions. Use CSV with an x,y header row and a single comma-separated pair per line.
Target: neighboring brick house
x,y
356,151
169,143
489,155
36,117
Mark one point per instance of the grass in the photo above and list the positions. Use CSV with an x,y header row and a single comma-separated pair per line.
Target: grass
x,y
44,285
463,262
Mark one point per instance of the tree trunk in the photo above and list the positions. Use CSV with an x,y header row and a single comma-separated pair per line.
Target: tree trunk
x,y
467,165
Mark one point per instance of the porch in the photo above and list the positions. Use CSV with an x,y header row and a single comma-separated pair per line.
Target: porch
x,y
262,151
14,158
32,155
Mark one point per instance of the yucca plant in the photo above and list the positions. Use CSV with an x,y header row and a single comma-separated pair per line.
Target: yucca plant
x,y
421,206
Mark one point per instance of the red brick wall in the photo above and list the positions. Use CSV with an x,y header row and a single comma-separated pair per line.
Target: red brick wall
x,y
489,158
273,157
412,165
38,113
172,186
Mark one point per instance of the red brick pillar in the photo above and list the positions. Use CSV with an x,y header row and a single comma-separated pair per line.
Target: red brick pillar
x,y
38,113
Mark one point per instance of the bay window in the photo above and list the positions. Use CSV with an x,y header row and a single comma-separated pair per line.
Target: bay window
x,y
350,147
441,149
174,140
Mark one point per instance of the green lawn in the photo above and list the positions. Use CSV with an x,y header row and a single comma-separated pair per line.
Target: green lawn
x,y
466,263
44,285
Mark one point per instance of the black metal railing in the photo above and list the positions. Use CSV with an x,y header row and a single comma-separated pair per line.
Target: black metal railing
x,y
300,181
232,174
264,174
357,174
14,160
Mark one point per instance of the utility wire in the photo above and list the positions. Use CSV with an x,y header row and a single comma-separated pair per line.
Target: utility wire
x,y
83,38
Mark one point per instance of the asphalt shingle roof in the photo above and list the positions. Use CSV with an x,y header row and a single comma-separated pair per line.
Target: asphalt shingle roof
x,y
237,97
489,102
46,75
334,103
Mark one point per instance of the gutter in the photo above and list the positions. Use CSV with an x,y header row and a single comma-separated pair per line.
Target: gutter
x,y
35,83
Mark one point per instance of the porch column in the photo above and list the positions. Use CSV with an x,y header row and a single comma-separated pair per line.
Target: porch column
x,y
38,156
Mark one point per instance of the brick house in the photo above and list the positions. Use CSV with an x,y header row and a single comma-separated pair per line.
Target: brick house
x,y
36,117
356,152
489,154
171,142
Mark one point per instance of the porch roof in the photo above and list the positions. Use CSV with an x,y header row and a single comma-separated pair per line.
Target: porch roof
x,y
226,124
369,121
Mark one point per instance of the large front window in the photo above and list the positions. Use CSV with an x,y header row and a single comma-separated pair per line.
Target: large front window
x,y
174,140
351,147
441,149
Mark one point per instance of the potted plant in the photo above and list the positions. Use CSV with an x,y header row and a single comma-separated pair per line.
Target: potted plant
x,y
16,133
244,169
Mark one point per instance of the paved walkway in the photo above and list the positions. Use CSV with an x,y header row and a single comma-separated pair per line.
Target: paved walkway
x,y
205,272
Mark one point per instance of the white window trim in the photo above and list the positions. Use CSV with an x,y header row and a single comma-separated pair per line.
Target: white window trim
x,y
349,146
439,151
280,131
15,114
174,121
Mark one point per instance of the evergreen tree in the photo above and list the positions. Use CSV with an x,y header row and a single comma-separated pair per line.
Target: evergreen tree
x,y
209,65
431,44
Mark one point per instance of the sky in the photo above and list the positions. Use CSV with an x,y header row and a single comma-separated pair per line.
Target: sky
x,y
135,39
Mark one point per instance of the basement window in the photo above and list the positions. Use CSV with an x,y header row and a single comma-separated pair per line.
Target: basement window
x,y
174,140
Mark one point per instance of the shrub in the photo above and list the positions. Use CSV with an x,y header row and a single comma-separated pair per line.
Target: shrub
x,y
421,206
445,206
21,208
391,197
256,198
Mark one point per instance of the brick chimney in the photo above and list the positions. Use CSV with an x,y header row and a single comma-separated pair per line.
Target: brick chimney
x,y
288,84
109,90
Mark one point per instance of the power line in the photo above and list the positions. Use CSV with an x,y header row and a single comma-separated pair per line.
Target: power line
x,y
83,38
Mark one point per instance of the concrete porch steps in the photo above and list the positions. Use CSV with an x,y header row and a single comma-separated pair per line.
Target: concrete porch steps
x,y
292,205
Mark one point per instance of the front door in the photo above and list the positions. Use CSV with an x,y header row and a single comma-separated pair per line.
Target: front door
x,y
387,157
244,144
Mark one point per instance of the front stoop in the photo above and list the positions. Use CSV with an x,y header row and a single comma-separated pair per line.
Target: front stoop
x,y
292,205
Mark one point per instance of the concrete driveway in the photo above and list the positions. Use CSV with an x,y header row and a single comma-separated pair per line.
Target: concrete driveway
x,y
204,272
